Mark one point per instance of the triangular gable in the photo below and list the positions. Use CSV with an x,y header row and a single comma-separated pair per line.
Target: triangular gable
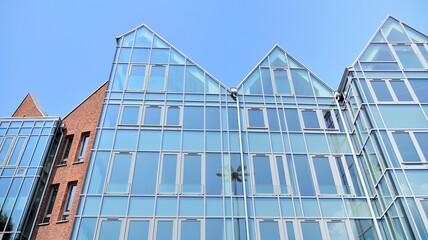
x,y
378,54
29,107
280,74
146,62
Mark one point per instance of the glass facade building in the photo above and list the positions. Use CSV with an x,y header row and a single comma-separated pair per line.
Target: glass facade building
x,y
178,155
27,149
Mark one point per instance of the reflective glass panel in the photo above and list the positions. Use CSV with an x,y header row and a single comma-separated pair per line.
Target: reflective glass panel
x,y
169,169
145,173
400,90
304,176
407,56
175,78
190,229
213,174
310,119
420,87
152,115
406,147
377,53
130,115
120,173
301,82
381,90
214,229
193,118
282,82
311,230
326,184
262,174
194,79
337,230
256,118
156,80
136,78
110,229
422,139
292,118
164,230
192,173
138,230
269,230
173,116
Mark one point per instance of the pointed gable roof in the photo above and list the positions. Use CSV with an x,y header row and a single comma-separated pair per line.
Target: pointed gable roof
x,y
29,107
151,48
391,30
289,77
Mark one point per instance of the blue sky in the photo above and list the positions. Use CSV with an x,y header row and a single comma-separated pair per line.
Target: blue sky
x,y
61,51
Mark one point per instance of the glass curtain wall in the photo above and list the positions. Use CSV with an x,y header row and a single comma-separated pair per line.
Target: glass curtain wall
x,y
27,149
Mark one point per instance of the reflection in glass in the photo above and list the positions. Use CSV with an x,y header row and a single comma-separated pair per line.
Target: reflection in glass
x,y
262,174
169,169
269,230
192,173
256,118
120,173
406,147
190,229
138,230
324,175
110,229
164,230
311,230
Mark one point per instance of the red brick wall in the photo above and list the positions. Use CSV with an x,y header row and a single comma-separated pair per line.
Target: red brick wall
x,y
83,119
27,108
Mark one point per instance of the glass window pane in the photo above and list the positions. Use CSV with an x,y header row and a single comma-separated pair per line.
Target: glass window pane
x,y
424,52
125,139
171,140
337,230
381,90
212,118
164,230
159,56
281,175
5,149
140,55
166,206
310,207
175,78
292,119
417,180
192,174
311,230
190,229
138,230
394,32
304,176
400,90
194,79
310,119
407,56
406,147
420,87
214,229
256,118
191,206
262,174
169,169
377,53
145,173
394,117
422,138
269,230
110,118
110,229
125,53
96,182
87,228
301,82
193,118
316,143
136,78
266,207
14,156
266,80
273,119
332,208
213,174
282,82
173,116
141,206
252,85
130,115
193,141
119,176
152,115
324,175
149,140
157,79
144,37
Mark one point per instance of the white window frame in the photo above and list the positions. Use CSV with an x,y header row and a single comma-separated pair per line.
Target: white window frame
x,y
165,116
318,115
139,115
391,90
149,73
415,144
143,114
128,223
66,213
67,145
83,147
265,120
110,169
